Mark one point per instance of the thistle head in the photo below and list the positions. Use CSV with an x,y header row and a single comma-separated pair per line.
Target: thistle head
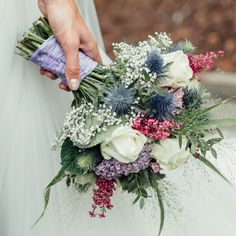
x,y
184,45
161,106
192,98
154,62
120,99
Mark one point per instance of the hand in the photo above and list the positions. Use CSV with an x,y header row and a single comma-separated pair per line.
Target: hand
x,y
72,33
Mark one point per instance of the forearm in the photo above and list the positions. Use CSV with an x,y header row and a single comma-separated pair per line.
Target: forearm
x,y
45,4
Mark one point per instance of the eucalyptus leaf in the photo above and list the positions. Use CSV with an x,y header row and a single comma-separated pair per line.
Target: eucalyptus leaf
x,y
220,133
214,153
144,192
141,203
193,149
132,186
160,176
136,199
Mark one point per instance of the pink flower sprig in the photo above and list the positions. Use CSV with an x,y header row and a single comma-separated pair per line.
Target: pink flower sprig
x,y
154,128
102,197
203,62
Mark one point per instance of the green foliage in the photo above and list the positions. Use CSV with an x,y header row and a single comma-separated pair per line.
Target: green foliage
x,y
212,167
36,36
91,87
155,185
83,183
185,45
195,125
137,184
76,160
193,98
47,192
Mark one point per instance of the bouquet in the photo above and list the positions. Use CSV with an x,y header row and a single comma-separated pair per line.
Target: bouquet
x,y
145,113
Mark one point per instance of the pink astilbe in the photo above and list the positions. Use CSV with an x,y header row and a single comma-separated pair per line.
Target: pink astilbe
x,y
102,197
203,62
154,128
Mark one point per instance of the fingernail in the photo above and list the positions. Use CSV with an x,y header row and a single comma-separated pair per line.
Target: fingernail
x,y
74,84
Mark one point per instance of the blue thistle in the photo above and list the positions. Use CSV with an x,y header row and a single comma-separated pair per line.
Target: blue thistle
x,y
154,62
185,46
192,98
120,99
161,106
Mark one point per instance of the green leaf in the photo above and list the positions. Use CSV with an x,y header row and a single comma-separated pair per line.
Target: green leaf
x,y
76,160
213,141
144,192
211,166
159,176
213,124
193,148
100,137
124,184
220,133
141,203
146,75
47,192
89,158
155,186
214,153
143,178
180,140
132,186
69,156
136,199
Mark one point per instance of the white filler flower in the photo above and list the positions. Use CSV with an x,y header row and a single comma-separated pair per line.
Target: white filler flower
x,y
124,145
179,72
169,154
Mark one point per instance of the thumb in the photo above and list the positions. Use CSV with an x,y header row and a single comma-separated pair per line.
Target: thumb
x,y
72,69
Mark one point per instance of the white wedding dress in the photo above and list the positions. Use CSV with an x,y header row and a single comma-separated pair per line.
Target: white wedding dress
x,y
33,108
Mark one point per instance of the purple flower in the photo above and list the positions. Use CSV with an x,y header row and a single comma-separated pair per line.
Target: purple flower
x,y
112,169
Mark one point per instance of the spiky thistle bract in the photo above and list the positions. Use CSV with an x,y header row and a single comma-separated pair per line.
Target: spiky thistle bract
x,y
120,99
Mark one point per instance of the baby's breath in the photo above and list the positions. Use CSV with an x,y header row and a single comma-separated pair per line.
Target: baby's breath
x,y
85,121
134,58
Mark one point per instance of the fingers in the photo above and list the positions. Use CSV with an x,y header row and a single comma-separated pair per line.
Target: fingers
x,y
47,73
90,48
72,67
63,87
54,77
42,7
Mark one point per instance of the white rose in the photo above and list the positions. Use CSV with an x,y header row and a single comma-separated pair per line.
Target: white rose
x,y
124,145
179,72
169,154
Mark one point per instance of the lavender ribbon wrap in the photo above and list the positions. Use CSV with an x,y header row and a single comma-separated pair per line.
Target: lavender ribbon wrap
x,y
50,56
